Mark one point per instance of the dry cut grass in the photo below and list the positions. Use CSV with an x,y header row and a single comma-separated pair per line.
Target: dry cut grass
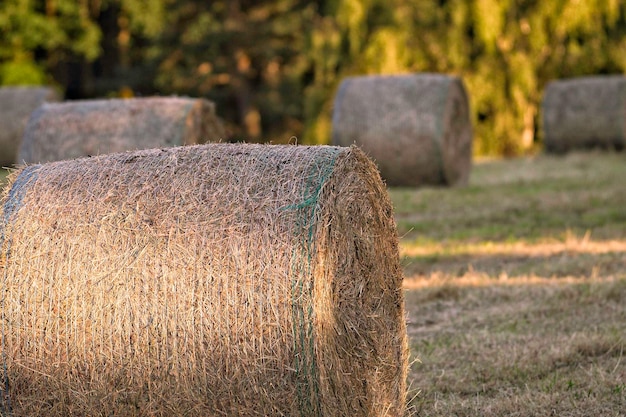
x,y
533,348
516,289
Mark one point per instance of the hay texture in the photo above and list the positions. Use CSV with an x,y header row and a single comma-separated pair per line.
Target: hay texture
x,y
208,280
416,127
585,112
16,105
75,129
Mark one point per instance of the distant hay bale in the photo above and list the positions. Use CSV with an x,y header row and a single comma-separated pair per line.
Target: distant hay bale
x,y
80,128
416,127
585,112
16,105
217,279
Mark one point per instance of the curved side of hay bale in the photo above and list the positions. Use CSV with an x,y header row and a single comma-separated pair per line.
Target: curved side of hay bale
x,y
82,128
416,127
584,112
216,279
16,105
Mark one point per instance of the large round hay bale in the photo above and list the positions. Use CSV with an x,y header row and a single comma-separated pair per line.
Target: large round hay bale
x,y
16,105
416,127
585,112
208,280
80,128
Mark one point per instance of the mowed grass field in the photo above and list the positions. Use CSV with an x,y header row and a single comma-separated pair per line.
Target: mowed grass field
x,y
516,288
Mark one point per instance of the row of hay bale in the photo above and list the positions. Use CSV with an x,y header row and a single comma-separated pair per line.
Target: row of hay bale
x,y
418,128
37,127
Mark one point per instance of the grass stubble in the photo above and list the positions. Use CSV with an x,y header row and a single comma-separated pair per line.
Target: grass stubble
x,y
516,289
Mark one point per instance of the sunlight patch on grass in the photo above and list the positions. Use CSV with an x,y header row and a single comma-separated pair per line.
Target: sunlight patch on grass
x,y
519,248
476,279
512,261
543,347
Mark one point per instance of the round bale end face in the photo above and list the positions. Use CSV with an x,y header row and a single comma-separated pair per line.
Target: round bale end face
x,y
368,376
219,279
458,137
416,127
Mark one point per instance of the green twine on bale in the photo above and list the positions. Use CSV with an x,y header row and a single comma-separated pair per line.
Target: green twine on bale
x,y
303,337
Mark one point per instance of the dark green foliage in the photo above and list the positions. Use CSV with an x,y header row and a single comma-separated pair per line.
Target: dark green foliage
x,y
273,66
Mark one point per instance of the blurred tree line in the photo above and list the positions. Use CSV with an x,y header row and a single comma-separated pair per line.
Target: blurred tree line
x,y
273,66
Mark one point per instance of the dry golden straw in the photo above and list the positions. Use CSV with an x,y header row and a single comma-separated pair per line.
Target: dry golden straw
x,y
16,105
416,126
208,280
585,112
80,128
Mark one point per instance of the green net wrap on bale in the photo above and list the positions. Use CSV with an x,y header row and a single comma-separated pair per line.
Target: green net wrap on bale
x,y
81,128
207,280
585,112
16,105
416,127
